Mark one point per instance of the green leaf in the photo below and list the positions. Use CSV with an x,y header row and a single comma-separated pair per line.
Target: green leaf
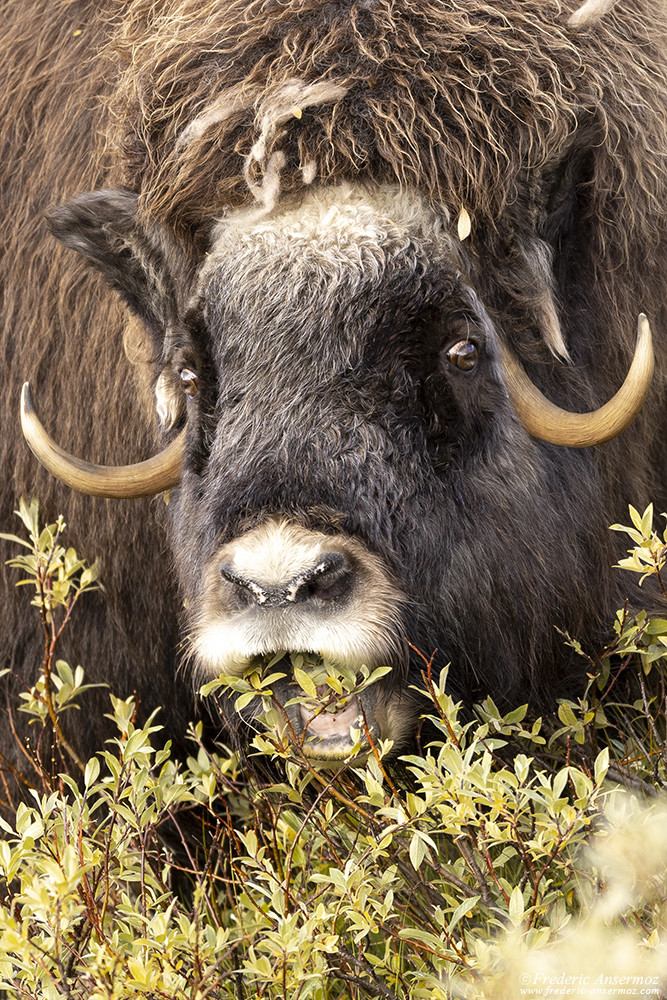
x,y
522,766
138,742
305,681
647,521
376,675
516,909
462,910
656,626
425,937
276,659
636,536
560,780
517,715
244,700
635,517
29,514
601,765
92,772
16,539
417,851
566,715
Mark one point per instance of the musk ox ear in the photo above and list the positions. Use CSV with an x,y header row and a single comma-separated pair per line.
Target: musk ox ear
x,y
103,227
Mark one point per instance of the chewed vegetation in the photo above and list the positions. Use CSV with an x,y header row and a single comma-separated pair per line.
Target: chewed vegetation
x,y
513,849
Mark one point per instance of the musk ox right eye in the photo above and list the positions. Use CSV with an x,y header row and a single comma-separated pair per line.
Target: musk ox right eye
x,y
463,355
188,381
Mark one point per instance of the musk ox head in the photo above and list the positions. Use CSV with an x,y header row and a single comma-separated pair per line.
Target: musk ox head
x,y
352,450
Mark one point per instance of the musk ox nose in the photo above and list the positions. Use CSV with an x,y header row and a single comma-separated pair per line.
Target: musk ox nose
x,y
282,586
329,580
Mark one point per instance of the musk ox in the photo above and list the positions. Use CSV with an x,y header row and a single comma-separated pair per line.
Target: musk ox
x,y
364,276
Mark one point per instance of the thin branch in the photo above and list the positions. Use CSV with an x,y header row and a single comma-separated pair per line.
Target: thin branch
x,y
374,988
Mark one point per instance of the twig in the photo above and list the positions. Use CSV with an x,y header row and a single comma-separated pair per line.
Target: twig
x,y
375,988
464,846
624,777
659,743
52,635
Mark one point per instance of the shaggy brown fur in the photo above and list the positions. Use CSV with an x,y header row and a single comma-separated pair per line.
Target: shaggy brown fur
x,y
469,103
501,109
63,330
552,135
477,104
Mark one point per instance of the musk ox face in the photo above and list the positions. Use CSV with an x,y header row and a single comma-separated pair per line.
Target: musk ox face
x,y
345,366
355,482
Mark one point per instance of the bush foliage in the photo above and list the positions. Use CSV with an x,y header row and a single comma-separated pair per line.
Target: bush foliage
x,y
512,857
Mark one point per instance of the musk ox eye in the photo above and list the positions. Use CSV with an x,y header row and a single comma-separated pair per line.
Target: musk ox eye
x,y
463,355
188,381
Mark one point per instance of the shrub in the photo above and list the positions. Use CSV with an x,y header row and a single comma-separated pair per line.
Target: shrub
x,y
501,863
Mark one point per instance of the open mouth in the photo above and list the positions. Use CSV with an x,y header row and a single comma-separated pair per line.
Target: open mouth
x,y
329,713
332,719
332,734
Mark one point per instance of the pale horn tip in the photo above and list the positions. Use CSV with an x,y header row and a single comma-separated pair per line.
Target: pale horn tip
x,y
27,405
28,412
644,356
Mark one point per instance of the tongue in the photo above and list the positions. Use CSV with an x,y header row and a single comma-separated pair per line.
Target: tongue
x,y
327,724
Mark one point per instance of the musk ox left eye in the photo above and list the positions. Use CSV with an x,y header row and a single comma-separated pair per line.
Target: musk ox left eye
x,y
188,381
463,355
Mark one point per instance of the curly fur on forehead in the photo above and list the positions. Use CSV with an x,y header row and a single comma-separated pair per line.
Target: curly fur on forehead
x,y
468,102
342,234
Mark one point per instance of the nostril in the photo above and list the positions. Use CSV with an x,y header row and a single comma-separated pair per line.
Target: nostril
x,y
247,589
333,591
331,580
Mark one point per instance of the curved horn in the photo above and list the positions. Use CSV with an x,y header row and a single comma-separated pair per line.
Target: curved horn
x,y
548,422
142,479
